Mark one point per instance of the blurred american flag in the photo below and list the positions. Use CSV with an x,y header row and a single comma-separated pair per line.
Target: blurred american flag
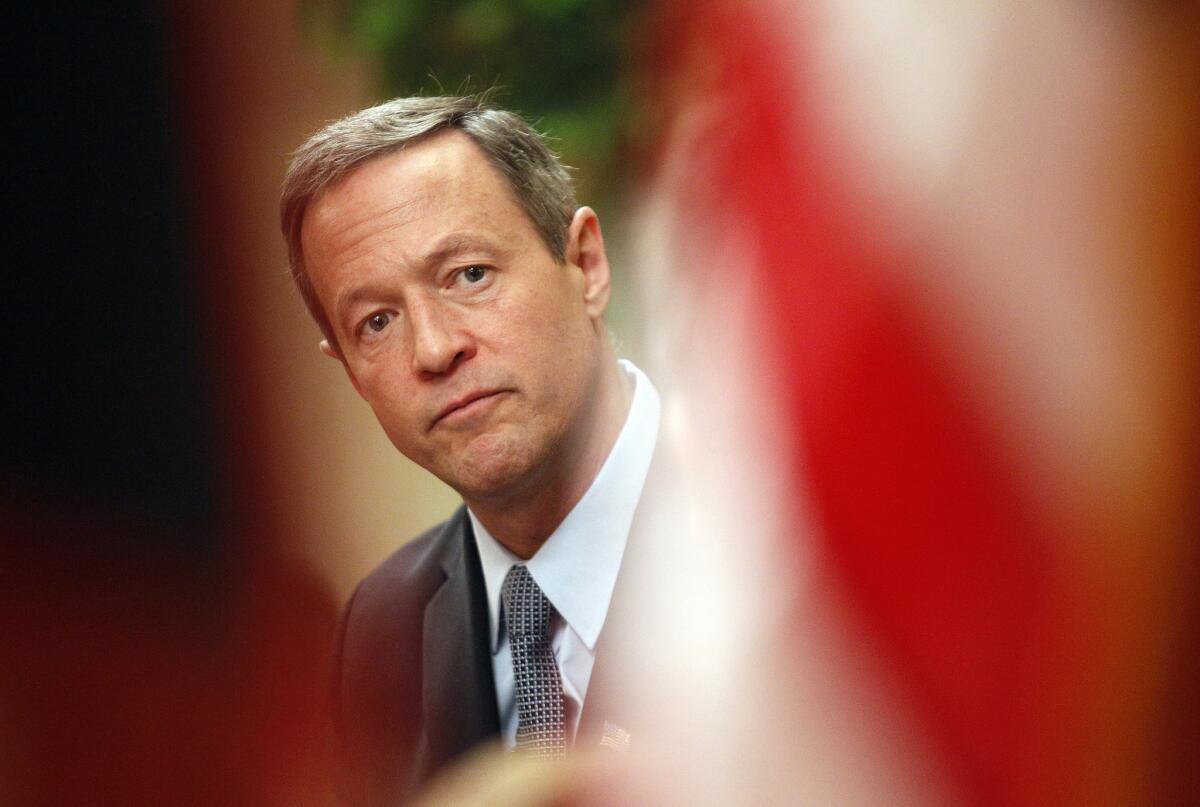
x,y
924,280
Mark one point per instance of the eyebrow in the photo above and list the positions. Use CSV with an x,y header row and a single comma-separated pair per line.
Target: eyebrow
x,y
453,244
347,301
444,249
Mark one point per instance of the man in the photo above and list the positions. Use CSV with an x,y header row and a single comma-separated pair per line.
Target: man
x,y
439,247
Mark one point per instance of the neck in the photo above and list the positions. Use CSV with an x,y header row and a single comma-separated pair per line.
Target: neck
x,y
523,521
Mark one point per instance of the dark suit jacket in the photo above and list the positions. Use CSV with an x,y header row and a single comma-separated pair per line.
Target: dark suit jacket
x,y
414,687
413,643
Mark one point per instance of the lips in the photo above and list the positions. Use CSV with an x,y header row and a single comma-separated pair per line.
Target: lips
x,y
470,401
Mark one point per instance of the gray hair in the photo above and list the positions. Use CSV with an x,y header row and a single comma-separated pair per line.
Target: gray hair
x,y
539,182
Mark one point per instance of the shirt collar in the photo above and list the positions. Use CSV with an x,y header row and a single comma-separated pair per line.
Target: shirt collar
x,y
577,566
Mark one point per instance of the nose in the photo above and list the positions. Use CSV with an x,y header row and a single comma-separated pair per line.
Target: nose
x,y
440,342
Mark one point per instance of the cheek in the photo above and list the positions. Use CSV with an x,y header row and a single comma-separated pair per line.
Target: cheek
x,y
379,371
543,315
406,437
394,407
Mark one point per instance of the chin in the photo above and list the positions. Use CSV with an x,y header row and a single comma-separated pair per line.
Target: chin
x,y
490,467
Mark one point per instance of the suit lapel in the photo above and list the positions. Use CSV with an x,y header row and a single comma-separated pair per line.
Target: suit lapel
x,y
459,691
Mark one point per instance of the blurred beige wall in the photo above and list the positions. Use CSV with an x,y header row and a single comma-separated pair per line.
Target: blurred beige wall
x,y
252,88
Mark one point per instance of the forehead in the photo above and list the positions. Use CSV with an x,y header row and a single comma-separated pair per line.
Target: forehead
x,y
442,182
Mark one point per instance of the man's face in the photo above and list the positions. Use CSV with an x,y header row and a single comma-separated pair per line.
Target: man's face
x,y
477,351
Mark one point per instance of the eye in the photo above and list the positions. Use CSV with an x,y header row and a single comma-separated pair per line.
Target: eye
x,y
474,274
376,322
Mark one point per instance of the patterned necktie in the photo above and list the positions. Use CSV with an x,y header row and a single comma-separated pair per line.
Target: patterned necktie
x,y
527,612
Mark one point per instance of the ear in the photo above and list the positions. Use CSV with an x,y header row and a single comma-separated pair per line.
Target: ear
x,y
585,250
329,350
332,352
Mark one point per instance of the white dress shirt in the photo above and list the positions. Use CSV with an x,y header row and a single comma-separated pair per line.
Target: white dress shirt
x,y
577,566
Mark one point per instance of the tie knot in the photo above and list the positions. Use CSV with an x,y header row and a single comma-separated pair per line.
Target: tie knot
x,y
526,609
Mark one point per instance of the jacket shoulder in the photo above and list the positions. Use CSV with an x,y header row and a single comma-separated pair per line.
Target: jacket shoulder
x,y
403,583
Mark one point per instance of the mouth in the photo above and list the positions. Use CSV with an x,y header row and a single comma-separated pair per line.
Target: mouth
x,y
468,405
